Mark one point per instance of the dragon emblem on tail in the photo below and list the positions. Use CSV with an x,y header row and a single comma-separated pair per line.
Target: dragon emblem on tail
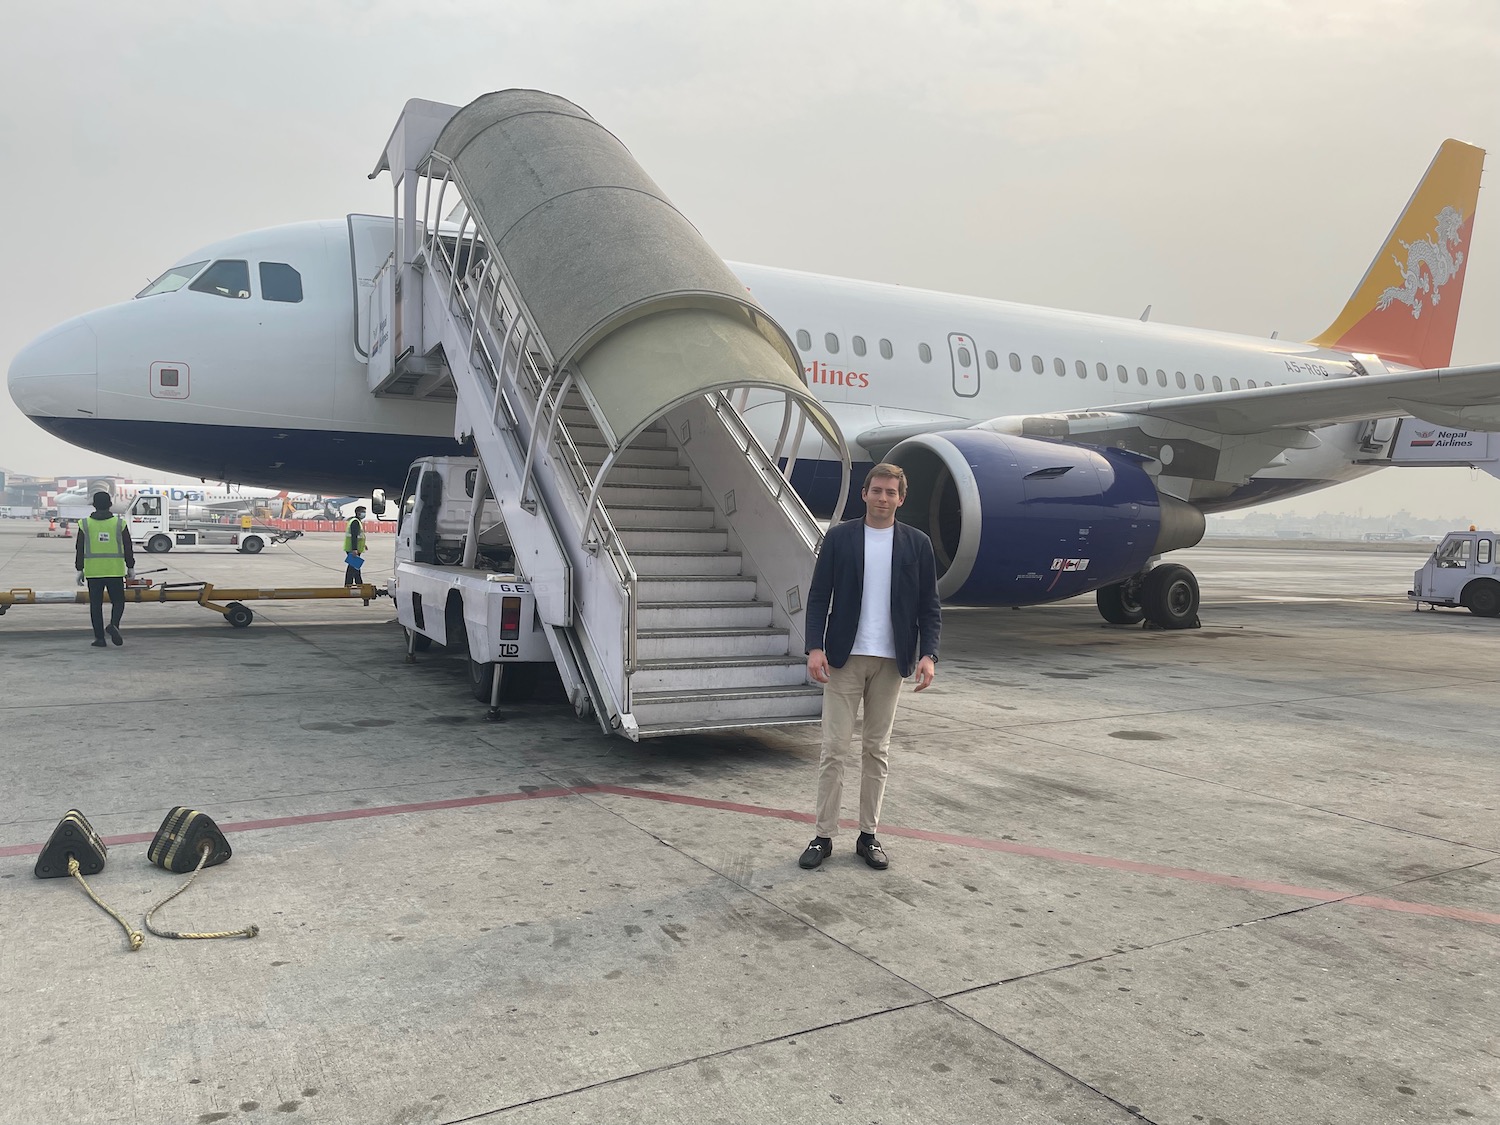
x,y
1434,253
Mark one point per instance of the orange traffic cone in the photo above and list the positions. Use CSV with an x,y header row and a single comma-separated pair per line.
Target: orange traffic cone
x,y
52,524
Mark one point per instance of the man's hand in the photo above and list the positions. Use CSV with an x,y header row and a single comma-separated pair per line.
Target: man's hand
x,y
130,574
926,673
817,666
80,578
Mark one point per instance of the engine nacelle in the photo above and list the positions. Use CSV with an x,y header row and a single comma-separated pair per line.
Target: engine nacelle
x,y
1019,521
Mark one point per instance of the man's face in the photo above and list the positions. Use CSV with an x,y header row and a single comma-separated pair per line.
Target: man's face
x,y
882,496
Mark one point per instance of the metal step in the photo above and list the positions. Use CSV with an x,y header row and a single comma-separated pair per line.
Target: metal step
x,y
628,495
655,708
703,615
667,476
686,562
699,540
742,671
712,726
593,454
641,516
682,644
696,587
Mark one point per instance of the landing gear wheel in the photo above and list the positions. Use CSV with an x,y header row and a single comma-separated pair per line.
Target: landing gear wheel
x,y
1169,597
159,544
1120,604
252,545
239,615
1482,598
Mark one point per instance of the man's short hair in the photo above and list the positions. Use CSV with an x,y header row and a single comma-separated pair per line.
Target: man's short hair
x,y
886,469
102,500
360,510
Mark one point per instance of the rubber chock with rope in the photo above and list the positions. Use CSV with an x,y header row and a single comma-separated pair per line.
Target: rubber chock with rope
x,y
74,849
189,841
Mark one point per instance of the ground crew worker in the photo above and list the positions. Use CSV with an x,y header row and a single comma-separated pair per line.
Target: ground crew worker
x,y
354,544
104,557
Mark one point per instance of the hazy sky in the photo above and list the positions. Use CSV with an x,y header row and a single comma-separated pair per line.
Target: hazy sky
x,y
1234,163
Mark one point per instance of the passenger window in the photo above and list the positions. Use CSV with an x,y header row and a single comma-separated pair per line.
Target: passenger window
x,y
859,345
804,341
1161,377
1455,555
1123,374
1037,365
226,278
1484,551
1250,383
1015,362
1218,383
1103,370
1234,384
1060,366
1198,381
149,506
279,282
1082,368
1141,376
831,342
1181,382
173,280
964,358
924,353
885,349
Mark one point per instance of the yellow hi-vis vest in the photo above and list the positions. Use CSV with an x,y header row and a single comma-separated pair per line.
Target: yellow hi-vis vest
x,y
103,547
354,540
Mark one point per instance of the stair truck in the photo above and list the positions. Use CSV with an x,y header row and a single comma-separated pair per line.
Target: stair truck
x,y
1461,572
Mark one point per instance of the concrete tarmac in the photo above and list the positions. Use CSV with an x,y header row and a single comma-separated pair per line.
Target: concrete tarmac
x,y
1243,874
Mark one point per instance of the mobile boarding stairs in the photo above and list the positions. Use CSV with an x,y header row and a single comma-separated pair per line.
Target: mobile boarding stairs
x,y
600,356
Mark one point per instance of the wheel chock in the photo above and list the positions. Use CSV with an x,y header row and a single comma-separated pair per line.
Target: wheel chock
x,y
183,837
73,837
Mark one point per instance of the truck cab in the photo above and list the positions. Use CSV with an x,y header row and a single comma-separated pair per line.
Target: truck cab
x,y
1461,572
456,583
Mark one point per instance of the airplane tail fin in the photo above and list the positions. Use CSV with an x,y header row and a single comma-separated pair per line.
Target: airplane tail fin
x,y
1406,307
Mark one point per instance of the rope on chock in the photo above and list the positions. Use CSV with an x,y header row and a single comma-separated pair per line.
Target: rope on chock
x,y
206,850
135,936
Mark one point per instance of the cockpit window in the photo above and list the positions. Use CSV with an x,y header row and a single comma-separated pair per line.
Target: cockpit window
x,y
279,282
227,277
173,280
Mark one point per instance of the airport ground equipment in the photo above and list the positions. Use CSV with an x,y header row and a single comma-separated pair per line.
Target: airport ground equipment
x,y
1463,571
600,356
153,527
74,849
229,601
187,842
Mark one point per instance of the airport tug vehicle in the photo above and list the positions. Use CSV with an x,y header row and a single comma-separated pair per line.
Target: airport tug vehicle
x,y
153,527
1461,572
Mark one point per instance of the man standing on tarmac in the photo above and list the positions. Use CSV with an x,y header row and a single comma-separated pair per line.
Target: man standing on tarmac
x,y
881,579
104,557
354,544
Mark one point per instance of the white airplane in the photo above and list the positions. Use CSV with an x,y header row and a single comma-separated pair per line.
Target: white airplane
x,y
1041,437
190,499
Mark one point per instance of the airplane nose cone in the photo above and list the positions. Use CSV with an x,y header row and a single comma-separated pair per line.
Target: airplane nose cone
x,y
57,374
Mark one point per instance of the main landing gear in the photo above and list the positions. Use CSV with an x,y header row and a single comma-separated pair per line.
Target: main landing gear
x,y
1165,597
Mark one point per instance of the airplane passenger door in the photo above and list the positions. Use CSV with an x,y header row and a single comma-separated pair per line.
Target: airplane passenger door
x,y
965,365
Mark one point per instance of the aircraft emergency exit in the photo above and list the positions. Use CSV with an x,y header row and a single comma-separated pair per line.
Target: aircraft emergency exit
x,y
1050,453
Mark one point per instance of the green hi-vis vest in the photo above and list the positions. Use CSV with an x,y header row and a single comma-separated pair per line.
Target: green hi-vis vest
x,y
103,547
354,536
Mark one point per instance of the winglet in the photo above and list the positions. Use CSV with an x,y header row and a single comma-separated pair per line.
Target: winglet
x,y
1406,307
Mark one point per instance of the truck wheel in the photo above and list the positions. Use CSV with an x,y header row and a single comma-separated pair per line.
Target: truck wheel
x,y
481,676
252,544
159,544
239,615
1169,597
1120,604
1482,598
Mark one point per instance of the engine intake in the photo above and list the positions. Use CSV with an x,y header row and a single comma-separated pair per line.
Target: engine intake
x,y
1016,521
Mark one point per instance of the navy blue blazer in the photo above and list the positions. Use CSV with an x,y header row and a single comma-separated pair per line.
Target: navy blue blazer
x,y
839,579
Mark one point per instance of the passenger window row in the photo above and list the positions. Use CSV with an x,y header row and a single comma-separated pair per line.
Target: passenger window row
x,y
1038,364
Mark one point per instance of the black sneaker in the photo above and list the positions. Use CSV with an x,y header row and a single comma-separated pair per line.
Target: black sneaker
x,y
817,851
114,634
873,853
98,644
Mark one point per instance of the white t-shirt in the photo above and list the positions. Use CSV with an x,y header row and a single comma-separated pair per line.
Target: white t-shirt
x,y
875,637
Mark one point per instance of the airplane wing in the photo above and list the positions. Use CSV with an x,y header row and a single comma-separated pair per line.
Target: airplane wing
x,y
1461,397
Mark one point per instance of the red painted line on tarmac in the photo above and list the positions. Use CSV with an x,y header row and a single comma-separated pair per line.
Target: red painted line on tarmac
x,y
1032,851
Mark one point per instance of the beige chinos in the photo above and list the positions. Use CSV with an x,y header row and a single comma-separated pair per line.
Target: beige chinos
x,y
876,681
